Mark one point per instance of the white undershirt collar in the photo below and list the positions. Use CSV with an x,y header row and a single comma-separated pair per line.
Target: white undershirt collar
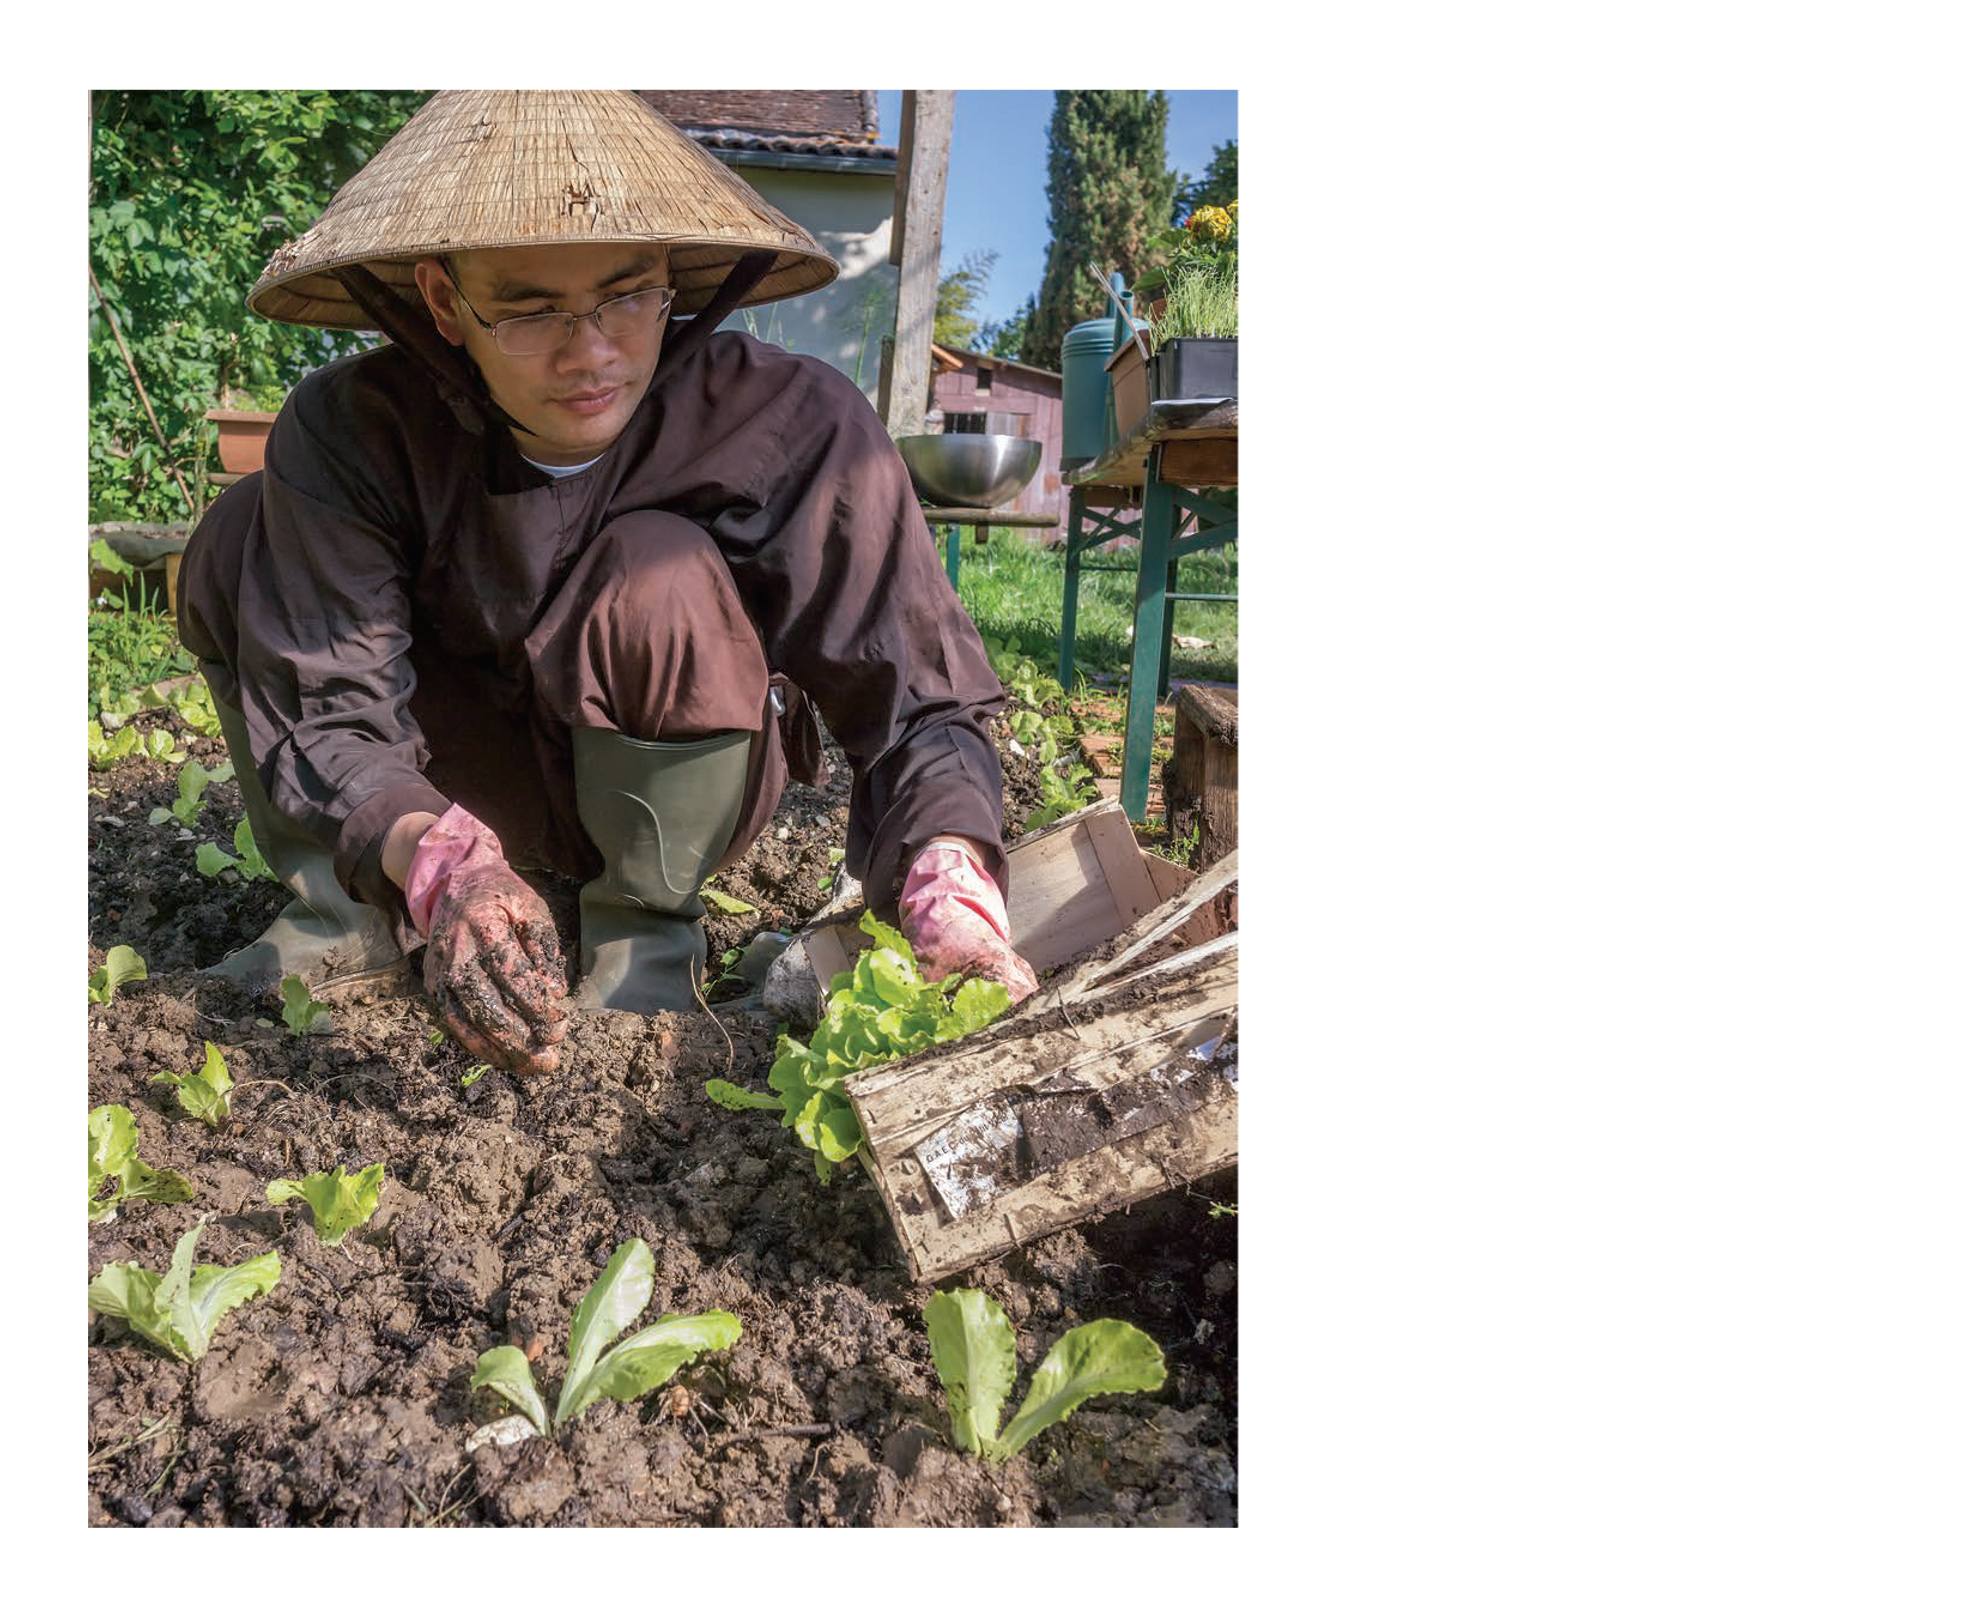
x,y
563,471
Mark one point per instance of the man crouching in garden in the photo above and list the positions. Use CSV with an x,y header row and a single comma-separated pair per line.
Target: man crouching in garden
x,y
545,581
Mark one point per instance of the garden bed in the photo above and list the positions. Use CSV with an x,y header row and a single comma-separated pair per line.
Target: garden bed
x,y
341,1397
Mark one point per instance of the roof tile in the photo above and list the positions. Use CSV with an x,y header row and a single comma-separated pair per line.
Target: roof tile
x,y
832,123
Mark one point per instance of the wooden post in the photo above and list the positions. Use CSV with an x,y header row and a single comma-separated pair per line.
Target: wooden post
x,y
919,200
1202,780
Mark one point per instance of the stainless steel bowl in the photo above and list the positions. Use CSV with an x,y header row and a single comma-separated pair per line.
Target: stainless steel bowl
x,y
976,469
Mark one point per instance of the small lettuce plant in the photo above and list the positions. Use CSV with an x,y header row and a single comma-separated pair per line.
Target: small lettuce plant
x,y
113,1155
122,964
637,1365
192,783
974,1353
180,1309
246,857
339,1201
126,741
880,1010
298,1010
204,1094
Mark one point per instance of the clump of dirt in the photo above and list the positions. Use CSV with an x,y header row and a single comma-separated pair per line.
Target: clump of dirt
x,y
341,1397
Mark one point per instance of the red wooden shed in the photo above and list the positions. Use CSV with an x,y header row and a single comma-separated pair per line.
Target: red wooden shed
x,y
986,393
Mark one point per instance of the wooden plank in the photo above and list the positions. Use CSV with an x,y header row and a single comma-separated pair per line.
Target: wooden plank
x,y
1216,713
1198,462
1163,1158
1124,464
1124,864
906,1100
830,951
1203,779
982,517
1087,980
1170,879
907,1104
926,121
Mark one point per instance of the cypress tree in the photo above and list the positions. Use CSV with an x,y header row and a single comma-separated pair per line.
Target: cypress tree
x,y
1110,192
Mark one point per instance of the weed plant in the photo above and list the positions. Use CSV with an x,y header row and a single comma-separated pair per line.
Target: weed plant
x,y
132,643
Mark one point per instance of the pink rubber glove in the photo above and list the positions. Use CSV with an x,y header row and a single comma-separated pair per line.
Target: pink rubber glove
x,y
492,962
951,912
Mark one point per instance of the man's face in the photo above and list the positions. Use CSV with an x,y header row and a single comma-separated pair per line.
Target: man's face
x,y
574,400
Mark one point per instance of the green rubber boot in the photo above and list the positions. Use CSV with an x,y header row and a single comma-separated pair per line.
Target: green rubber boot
x,y
325,934
661,814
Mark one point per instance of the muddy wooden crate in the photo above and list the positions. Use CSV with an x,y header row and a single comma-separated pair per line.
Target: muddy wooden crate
x,y
1114,1082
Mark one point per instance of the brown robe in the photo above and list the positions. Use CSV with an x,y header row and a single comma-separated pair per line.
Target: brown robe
x,y
389,555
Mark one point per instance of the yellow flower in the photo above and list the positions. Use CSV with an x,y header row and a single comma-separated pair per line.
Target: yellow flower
x,y
1231,213
1210,224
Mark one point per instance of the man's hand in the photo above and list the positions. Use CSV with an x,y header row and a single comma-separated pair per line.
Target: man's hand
x,y
492,963
952,914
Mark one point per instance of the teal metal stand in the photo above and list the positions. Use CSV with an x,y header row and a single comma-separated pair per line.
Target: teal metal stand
x,y
1087,530
1183,507
1175,522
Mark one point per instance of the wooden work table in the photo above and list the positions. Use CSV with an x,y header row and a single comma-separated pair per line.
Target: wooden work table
x,y
1164,469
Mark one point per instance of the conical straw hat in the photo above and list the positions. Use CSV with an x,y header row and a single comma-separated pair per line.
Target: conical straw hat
x,y
529,168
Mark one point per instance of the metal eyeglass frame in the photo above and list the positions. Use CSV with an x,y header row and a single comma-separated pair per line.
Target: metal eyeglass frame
x,y
493,328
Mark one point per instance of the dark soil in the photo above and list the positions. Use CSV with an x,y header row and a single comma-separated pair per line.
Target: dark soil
x,y
341,1397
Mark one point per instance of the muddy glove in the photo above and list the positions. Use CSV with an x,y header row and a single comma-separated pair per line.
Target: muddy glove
x,y
951,912
492,962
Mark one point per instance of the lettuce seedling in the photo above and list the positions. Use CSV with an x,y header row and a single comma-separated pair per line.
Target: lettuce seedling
x,y
195,710
106,750
301,1013
204,1093
339,1201
158,745
1063,791
180,1309
192,783
122,964
974,1353
628,1371
212,858
879,1010
726,903
113,1155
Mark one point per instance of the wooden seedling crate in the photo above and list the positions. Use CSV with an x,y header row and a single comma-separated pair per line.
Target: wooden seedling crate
x,y
1072,886
1115,1082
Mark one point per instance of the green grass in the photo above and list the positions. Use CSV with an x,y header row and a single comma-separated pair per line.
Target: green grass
x,y
1013,589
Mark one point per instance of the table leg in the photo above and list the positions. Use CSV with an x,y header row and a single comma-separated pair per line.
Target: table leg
x,y
1150,608
1072,577
1166,626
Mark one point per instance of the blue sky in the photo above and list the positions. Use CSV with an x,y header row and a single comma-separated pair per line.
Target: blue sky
x,y
998,168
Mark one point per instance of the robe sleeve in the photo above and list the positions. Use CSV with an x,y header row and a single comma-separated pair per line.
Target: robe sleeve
x,y
831,552
324,621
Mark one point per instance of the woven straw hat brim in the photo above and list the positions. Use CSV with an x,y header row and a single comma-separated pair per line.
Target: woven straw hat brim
x,y
476,169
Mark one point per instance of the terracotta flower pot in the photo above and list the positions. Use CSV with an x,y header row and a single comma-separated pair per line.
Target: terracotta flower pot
x,y
243,438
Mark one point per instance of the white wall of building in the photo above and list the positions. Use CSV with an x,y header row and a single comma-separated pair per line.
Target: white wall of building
x,y
851,217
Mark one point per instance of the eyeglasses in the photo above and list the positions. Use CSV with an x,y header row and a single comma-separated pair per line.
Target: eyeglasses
x,y
545,333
